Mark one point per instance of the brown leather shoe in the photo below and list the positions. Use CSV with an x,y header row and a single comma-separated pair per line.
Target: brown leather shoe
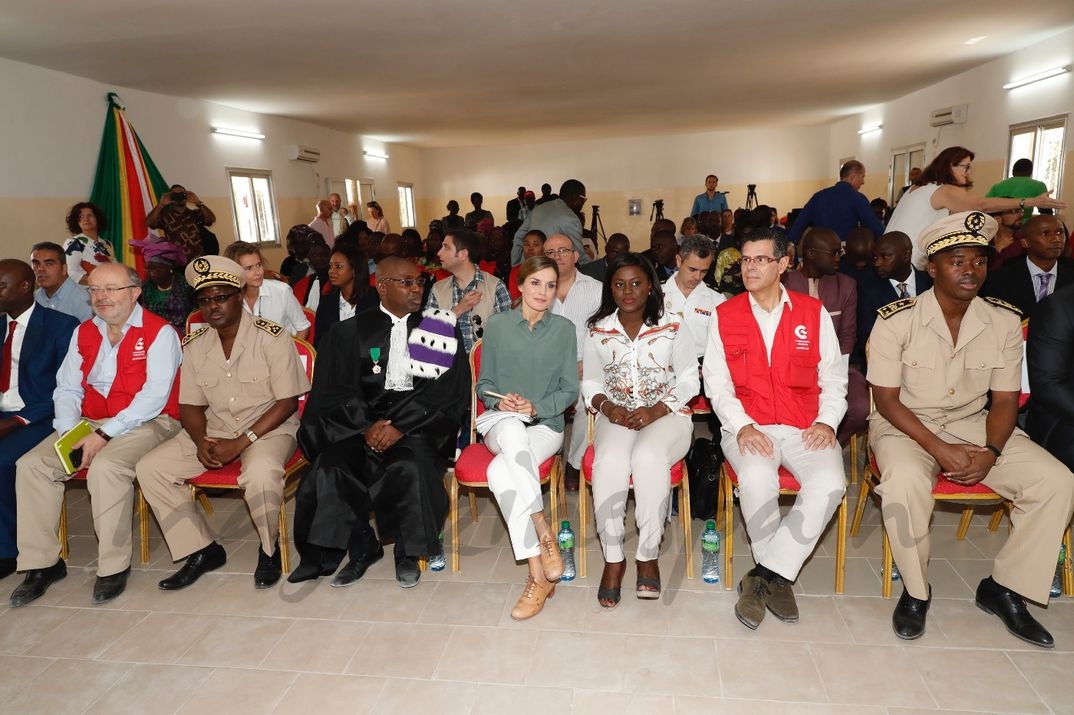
x,y
752,601
551,559
531,602
781,600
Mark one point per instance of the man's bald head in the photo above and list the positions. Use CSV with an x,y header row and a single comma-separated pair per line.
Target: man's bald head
x,y
891,256
821,251
859,248
819,238
895,239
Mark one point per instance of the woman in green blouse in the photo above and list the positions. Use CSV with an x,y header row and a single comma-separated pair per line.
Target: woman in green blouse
x,y
528,368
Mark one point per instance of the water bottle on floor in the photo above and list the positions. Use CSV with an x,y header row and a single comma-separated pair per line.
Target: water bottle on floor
x,y
566,550
1057,581
710,553
438,562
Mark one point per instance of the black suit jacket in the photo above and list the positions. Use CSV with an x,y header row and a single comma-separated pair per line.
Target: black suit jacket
x,y
48,336
1050,362
1011,282
347,396
874,293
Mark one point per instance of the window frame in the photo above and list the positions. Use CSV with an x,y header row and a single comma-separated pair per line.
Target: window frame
x,y
234,172
1037,126
407,205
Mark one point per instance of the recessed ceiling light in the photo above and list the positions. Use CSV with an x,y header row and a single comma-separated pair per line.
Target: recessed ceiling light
x,y
1054,72
975,40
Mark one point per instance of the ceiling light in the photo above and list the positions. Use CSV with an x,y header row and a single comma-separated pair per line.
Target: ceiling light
x,y
975,40
874,128
1054,72
238,133
376,154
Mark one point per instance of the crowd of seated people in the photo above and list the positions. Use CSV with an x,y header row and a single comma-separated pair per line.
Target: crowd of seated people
x,y
786,335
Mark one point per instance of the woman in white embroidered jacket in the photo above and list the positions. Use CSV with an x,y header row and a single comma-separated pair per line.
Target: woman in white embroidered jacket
x,y
638,374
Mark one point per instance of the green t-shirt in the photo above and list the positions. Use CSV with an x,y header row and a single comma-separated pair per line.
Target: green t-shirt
x,y
1018,187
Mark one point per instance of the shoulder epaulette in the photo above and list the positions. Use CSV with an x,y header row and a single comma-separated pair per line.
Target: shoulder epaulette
x,y
894,307
1004,304
268,326
190,337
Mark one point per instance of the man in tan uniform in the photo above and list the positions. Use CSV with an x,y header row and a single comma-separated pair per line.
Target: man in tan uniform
x,y
238,393
933,362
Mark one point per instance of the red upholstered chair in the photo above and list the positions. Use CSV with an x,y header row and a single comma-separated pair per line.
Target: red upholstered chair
x,y
311,315
194,321
788,486
227,477
679,480
944,490
471,467
143,519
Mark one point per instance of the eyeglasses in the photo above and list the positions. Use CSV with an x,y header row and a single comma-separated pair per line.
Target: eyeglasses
x,y
964,167
219,299
553,252
758,260
833,252
407,283
107,291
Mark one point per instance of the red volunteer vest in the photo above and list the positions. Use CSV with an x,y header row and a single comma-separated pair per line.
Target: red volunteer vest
x,y
130,368
788,392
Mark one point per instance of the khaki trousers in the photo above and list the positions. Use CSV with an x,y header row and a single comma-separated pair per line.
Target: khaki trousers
x,y
1039,486
163,475
39,487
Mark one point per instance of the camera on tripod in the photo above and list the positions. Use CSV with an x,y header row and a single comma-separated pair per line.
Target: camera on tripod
x,y
658,210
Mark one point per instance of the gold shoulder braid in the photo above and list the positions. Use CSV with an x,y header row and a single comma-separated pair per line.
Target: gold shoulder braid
x,y
894,307
1004,304
268,326
190,337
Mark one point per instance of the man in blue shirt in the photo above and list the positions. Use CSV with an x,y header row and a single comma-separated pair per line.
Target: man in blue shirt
x,y
841,207
55,289
710,200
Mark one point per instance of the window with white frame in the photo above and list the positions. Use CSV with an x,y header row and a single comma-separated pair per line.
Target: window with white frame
x,y
407,214
253,205
1042,142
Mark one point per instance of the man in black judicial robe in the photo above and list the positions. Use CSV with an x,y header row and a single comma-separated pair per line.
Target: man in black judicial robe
x,y
375,445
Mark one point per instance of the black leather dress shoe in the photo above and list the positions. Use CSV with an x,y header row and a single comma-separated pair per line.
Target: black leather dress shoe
x,y
307,571
198,563
106,588
268,569
356,568
908,620
1011,609
36,583
7,567
407,572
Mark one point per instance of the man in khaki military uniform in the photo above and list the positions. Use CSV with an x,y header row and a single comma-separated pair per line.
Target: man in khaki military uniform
x,y
238,393
933,362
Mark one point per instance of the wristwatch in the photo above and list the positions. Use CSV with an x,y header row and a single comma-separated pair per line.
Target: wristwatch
x,y
1022,204
251,435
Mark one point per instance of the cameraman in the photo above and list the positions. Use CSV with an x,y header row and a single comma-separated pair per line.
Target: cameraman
x,y
183,224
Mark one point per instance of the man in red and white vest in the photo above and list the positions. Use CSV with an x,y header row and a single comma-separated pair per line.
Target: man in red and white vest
x,y
778,383
120,376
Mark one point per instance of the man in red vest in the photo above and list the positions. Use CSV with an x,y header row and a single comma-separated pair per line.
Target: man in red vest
x,y
777,380
119,375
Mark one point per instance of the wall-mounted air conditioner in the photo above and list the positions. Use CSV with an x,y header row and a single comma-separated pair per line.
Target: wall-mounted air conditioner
x,y
298,152
948,115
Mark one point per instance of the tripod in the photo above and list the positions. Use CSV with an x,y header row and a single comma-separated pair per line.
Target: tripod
x,y
596,224
657,213
751,196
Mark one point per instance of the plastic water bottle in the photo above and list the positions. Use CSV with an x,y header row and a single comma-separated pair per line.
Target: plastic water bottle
x,y
438,562
566,550
710,553
1057,581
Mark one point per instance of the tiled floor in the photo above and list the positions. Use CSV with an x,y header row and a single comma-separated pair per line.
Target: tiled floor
x,y
449,645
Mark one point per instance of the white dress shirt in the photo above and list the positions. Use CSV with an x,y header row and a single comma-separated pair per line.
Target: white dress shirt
x,y
911,283
277,303
1034,276
831,371
582,301
695,310
11,401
